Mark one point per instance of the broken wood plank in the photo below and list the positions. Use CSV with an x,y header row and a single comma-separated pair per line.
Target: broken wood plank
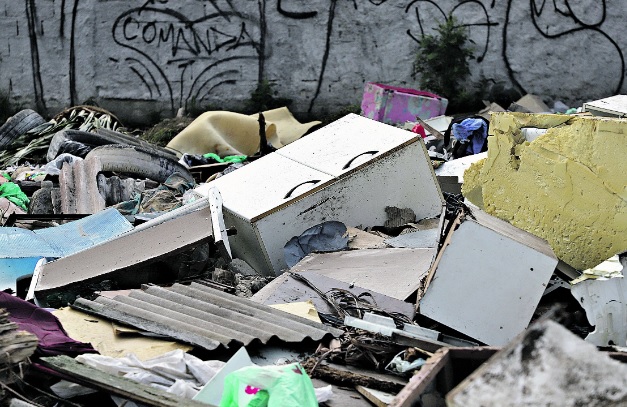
x,y
376,397
350,379
94,378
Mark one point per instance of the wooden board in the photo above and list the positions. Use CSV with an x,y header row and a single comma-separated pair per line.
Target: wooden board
x,y
94,378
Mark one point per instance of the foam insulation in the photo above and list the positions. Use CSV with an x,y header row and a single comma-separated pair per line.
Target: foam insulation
x,y
568,186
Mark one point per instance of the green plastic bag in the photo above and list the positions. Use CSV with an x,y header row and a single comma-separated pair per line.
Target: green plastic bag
x,y
269,386
13,193
227,159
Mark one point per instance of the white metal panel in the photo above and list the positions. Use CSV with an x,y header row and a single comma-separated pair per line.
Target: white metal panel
x,y
332,148
487,285
357,199
392,272
612,106
262,186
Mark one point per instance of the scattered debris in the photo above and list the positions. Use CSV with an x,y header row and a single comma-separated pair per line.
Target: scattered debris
x,y
126,388
366,270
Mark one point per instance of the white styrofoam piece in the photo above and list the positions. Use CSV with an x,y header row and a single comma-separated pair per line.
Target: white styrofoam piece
x,y
458,166
532,133
489,280
605,303
332,147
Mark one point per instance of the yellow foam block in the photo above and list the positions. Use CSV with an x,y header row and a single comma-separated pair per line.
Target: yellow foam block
x,y
568,186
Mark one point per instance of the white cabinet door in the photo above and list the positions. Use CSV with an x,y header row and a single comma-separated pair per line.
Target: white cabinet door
x,y
265,185
346,144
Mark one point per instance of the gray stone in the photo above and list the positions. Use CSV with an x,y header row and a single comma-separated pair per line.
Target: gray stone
x,y
545,366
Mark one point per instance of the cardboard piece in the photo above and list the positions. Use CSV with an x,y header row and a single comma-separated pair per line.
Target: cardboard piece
x,y
102,336
305,309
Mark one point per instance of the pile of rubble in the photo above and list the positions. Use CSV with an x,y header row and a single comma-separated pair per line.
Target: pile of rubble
x,y
380,260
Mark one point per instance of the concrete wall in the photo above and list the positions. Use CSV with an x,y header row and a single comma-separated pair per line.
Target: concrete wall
x,y
141,56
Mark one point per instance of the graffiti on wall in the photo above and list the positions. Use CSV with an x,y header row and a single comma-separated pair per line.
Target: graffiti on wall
x,y
180,55
186,59
571,34
479,30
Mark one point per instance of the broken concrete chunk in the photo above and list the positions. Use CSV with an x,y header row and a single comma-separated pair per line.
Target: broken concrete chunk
x,y
547,366
567,186
487,279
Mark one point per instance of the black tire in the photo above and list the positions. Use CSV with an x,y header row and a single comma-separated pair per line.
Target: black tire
x,y
101,137
138,161
19,124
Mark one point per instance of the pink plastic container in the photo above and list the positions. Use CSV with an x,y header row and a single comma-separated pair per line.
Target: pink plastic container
x,y
394,105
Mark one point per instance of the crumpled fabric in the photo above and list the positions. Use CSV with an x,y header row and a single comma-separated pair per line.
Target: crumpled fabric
x,y
53,340
474,129
330,236
164,198
13,193
176,372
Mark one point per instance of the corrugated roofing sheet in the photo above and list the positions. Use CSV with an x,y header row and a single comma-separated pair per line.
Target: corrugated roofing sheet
x,y
204,316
